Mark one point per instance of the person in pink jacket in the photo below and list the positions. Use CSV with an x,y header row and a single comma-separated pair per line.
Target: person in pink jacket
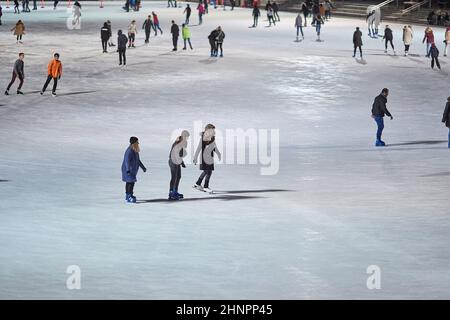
x,y
201,12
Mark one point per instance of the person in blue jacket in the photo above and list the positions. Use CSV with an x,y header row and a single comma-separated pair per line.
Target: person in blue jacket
x,y
130,167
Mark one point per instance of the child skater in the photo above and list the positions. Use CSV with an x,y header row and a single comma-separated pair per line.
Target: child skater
x,y
177,153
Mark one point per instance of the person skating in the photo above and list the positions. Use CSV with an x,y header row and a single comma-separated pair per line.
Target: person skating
x,y
371,24
110,41
315,13
176,155
205,5
147,26
212,42
18,72
233,4
388,37
201,11
187,11
319,22
219,41
34,4
407,38
132,30
256,14
130,168
429,38
357,42
275,11
1,14
16,7
175,31
446,118
156,23
446,40
104,35
186,33
207,147
122,41
305,11
434,53
19,31
55,4
379,110
54,72
172,3
270,16
299,25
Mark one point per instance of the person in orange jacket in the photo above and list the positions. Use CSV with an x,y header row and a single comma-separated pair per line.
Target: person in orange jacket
x,y
54,72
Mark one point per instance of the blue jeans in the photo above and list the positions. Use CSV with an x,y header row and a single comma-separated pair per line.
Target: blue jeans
x,y
318,28
380,125
299,28
449,137
428,48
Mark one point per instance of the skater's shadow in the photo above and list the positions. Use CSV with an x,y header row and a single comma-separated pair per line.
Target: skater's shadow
x,y
76,92
361,61
251,191
417,142
208,61
223,198
438,174
4,180
416,60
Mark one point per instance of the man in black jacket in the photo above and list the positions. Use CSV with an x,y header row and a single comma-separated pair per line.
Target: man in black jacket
x,y
378,111
188,13
357,42
175,31
17,73
147,26
122,42
446,118
104,35
388,37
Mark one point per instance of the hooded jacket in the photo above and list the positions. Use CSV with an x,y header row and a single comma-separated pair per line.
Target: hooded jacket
x,y
379,107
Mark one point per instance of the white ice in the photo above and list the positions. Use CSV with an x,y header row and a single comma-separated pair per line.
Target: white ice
x,y
349,205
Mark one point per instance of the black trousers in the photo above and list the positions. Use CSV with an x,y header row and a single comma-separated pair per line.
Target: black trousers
x,y
205,174
147,35
275,14
255,20
175,41
219,46
386,44
175,175
406,47
122,56
129,188
105,44
55,83
19,37
131,38
433,59
13,79
360,50
212,43
271,20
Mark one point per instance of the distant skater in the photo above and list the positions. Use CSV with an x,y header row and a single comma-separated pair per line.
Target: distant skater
x,y
379,110
256,14
122,41
147,26
357,42
19,31
104,36
446,118
434,53
388,37
299,25
156,23
130,167
407,38
18,72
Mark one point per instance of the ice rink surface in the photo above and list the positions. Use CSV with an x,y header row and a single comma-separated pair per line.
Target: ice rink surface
x,y
336,206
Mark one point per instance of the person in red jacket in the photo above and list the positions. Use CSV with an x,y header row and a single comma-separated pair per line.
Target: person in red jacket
x,y
156,23
54,72
429,37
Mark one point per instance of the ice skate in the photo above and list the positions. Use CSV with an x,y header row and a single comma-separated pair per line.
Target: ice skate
x,y
208,190
198,187
53,94
173,195
41,93
19,92
380,143
6,93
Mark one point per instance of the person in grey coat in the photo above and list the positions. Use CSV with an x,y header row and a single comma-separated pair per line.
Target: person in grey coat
x,y
357,42
18,72
446,118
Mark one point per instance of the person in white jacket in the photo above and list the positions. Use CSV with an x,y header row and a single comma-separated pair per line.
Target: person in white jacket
x,y
132,30
447,40
407,38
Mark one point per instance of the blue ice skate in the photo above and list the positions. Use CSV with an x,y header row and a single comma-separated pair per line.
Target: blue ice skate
x,y
180,195
131,199
380,143
173,195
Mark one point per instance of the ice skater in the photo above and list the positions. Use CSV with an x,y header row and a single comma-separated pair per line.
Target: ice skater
x,y
55,4
122,41
187,11
130,167
175,31
429,38
446,40
270,16
212,42
104,36
256,14
232,4
434,53
373,20
156,23
18,72
147,26
379,110
275,11
186,33
170,3
446,118
54,72
19,31
357,42
407,38
319,23
305,11
16,7
201,11
110,41
299,25
388,37
207,147
219,41
132,31
176,155
1,14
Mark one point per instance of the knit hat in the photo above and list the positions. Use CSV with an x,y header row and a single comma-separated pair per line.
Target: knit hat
x,y
133,140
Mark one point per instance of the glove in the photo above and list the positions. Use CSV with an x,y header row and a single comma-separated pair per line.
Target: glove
x,y
392,118
144,169
183,165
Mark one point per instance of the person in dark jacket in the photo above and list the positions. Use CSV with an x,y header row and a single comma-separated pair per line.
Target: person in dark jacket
x,y
104,35
188,11
122,42
18,72
130,167
434,53
1,14
388,37
275,11
147,26
357,42
110,42
212,42
379,110
219,41
175,31
446,118
177,153
305,11
256,13
207,147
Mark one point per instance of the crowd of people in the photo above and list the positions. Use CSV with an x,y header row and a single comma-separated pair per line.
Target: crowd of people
x,y
438,18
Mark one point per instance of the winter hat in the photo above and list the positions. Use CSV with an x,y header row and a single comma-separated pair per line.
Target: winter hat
x,y
133,140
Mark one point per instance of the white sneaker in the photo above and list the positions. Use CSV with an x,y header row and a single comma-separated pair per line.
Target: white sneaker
x,y
54,94
208,190
198,187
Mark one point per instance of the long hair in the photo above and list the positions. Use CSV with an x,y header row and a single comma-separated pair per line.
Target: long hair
x,y
135,147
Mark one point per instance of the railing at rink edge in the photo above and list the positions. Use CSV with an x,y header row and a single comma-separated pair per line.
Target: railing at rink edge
x,y
414,7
